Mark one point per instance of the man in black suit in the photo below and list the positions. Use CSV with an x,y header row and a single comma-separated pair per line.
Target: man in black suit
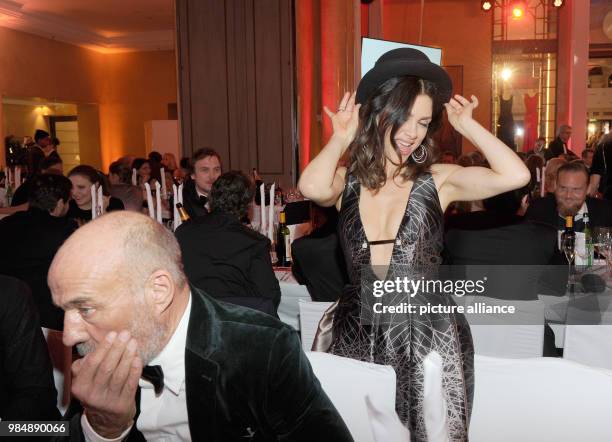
x,y
318,261
558,146
27,392
212,371
570,198
225,258
51,164
206,169
31,239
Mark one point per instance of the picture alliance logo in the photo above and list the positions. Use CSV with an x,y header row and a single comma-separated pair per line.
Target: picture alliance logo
x,y
411,287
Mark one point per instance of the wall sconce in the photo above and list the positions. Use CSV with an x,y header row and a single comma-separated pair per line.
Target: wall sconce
x,y
558,3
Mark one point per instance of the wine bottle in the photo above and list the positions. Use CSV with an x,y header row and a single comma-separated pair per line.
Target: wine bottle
x,y
568,239
182,212
283,243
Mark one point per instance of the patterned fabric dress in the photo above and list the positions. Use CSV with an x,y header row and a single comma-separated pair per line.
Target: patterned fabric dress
x,y
403,340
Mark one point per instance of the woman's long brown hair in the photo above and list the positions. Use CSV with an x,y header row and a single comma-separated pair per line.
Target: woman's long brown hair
x,y
387,110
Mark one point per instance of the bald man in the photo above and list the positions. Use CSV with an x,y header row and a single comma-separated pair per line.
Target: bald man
x,y
212,371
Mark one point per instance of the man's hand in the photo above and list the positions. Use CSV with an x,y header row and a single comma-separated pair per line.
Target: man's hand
x,y
105,381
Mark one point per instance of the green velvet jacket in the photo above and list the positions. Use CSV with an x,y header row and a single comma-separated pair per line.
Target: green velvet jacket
x,y
247,379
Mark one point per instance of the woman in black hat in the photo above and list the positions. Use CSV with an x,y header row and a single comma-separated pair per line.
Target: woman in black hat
x,y
391,197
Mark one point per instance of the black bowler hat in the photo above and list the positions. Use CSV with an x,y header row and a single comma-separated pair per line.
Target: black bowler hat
x,y
400,62
40,134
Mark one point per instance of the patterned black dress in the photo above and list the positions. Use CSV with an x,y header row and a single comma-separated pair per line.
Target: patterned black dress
x,y
403,340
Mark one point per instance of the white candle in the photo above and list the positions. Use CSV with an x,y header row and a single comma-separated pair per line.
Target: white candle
x,y
100,202
158,202
134,177
93,201
163,183
543,185
538,174
150,200
262,207
17,176
271,213
175,217
180,193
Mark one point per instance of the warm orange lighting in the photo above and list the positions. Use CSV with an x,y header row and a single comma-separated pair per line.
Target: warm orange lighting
x,y
518,10
558,3
486,5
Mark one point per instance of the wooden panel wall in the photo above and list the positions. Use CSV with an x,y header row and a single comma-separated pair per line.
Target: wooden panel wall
x,y
236,83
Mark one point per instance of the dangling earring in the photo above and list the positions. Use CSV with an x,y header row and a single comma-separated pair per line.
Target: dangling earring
x,y
419,155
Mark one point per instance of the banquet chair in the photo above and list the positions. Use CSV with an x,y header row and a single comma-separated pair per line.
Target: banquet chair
x,y
540,399
589,345
291,295
386,425
519,335
348,382
61,359
310,315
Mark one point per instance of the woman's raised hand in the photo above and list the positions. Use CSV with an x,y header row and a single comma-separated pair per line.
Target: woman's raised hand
x,y
346,118
459,110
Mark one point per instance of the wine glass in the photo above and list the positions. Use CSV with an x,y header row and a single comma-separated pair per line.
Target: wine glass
x,y
568,246
603,245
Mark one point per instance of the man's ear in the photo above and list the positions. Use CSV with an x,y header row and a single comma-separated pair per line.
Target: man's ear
x,y
160,290
60,208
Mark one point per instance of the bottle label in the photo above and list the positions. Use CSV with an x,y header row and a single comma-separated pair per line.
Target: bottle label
x,y
287,248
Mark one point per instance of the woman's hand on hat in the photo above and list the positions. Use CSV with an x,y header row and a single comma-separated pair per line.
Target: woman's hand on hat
x,y
459,110
346,119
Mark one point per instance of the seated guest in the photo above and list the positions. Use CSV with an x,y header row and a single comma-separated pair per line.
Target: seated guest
x,y
206,169
501,210
223,257
120,177
27,391
318,262
448,157
51,164
550,177
30,240
212,371
570,198
82,178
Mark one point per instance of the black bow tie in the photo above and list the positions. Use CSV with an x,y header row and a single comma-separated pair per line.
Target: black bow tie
x,y
155,375
203,200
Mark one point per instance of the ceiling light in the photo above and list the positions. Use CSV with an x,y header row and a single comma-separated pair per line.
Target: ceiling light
x,y
518,10
506,73
558,3
486,5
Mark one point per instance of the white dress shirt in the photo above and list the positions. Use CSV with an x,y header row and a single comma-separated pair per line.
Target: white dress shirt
x,y
164,417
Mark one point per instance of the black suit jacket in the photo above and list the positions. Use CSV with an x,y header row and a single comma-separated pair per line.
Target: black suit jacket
x,y
30,241
544,210
555,148
514,258
246,374
27,391
228,260
191,200
318,263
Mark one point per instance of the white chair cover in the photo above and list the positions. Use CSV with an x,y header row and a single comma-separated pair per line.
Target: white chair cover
x,y
540,399
589,344
61,358
386,425
347,382
288,309
519,335
310,315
